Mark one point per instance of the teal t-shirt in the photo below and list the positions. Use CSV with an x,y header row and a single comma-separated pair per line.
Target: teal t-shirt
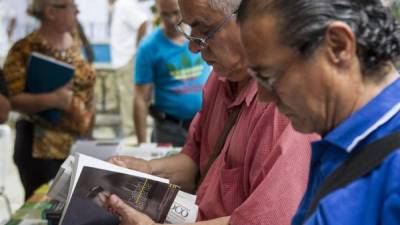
x,y
177,74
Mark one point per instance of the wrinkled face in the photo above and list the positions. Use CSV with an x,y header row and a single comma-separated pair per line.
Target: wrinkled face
x,y
63,14
169,14
302,86
224,50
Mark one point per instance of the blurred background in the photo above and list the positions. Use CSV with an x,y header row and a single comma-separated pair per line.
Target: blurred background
x,y
95,18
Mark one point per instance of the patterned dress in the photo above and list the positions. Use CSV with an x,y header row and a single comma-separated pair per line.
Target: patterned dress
x,y
52,141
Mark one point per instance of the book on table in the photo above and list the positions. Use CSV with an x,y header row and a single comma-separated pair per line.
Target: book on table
x,y
45,75
92,179
102,149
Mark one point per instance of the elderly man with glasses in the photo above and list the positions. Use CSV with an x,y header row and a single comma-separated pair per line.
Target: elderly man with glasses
x,y
252,165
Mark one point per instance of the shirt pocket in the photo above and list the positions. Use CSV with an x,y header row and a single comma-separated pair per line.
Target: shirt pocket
x,y
231,188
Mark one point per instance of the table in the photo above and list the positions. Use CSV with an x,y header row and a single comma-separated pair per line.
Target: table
x,y
31,211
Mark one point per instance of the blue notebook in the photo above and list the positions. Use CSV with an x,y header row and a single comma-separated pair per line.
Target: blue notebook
x,y
45,74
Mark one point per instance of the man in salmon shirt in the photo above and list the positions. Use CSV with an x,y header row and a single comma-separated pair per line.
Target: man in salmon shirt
x,y
261,172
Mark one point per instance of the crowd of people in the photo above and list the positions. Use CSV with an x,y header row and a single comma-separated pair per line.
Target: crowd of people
x,y
295,119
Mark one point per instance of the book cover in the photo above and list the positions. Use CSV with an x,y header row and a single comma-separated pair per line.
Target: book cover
x,y
151,197
44,75
182,210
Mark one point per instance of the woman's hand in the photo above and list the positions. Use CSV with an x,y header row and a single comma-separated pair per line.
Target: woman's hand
x,y
127,214
62,97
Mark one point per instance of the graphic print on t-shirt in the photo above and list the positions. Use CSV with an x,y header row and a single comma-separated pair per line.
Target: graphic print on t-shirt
x,y
184,67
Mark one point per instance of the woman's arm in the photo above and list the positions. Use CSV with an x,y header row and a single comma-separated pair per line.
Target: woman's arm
x,y
4,109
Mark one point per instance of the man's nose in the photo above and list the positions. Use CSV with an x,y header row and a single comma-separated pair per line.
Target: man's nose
x,y
193,47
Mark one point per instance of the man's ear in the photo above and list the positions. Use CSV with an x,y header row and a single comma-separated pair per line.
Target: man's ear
x,y
340,43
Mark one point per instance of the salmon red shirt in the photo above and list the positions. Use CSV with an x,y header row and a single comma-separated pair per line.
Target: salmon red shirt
x,y
261,173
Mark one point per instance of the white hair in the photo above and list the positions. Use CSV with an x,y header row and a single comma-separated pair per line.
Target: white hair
x,y
226,6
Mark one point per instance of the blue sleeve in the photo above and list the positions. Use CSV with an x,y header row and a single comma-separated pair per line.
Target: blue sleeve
x,y
144,72
391,209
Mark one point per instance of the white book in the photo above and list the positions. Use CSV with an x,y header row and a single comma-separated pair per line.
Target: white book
x,y
104,149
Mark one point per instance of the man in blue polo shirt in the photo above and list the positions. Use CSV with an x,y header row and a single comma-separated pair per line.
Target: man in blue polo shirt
x,y
166,67
329,66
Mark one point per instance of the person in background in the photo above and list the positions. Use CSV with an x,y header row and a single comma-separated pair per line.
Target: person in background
x,y
149,25
5,106
127,16
329,66
4,109
87,48
21,21
7,25
166,67
41,147
251,164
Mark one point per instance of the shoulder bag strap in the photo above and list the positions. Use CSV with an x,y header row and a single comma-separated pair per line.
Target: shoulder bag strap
x,y
233,115
356,166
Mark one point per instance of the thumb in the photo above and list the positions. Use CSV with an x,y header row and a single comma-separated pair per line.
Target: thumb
x,y
120,207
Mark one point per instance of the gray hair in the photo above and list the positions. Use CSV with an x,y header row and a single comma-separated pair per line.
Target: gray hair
x,y
226,6
37,7
303,24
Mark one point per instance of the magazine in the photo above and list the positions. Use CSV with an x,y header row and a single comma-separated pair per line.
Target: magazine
x,y
92,179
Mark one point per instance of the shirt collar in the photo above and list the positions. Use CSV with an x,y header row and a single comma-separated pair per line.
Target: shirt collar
x,y
367,119
247,94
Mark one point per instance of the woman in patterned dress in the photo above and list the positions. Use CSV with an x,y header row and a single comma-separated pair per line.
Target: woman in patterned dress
x,y
41,146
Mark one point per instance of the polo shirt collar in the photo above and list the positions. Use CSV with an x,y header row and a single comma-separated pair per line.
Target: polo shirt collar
x,y
367,119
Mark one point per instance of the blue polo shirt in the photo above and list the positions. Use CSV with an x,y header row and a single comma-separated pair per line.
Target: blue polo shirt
x,y
373,199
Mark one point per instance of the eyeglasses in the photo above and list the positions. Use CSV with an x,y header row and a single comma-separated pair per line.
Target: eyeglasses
x,y
268,79
202,42
73,7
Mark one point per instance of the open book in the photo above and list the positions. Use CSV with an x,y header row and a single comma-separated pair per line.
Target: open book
x,y
104,149
91,179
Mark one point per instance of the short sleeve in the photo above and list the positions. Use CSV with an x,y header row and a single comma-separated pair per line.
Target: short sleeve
x,y
192,144
144,72
15,69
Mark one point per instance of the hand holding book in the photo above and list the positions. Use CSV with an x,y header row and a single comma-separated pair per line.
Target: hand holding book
x,y
131,163
83,116
62,97
46,75
127,214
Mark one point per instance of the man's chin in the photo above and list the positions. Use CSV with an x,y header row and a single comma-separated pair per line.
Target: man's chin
x,y
300,126
221,72
228,74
